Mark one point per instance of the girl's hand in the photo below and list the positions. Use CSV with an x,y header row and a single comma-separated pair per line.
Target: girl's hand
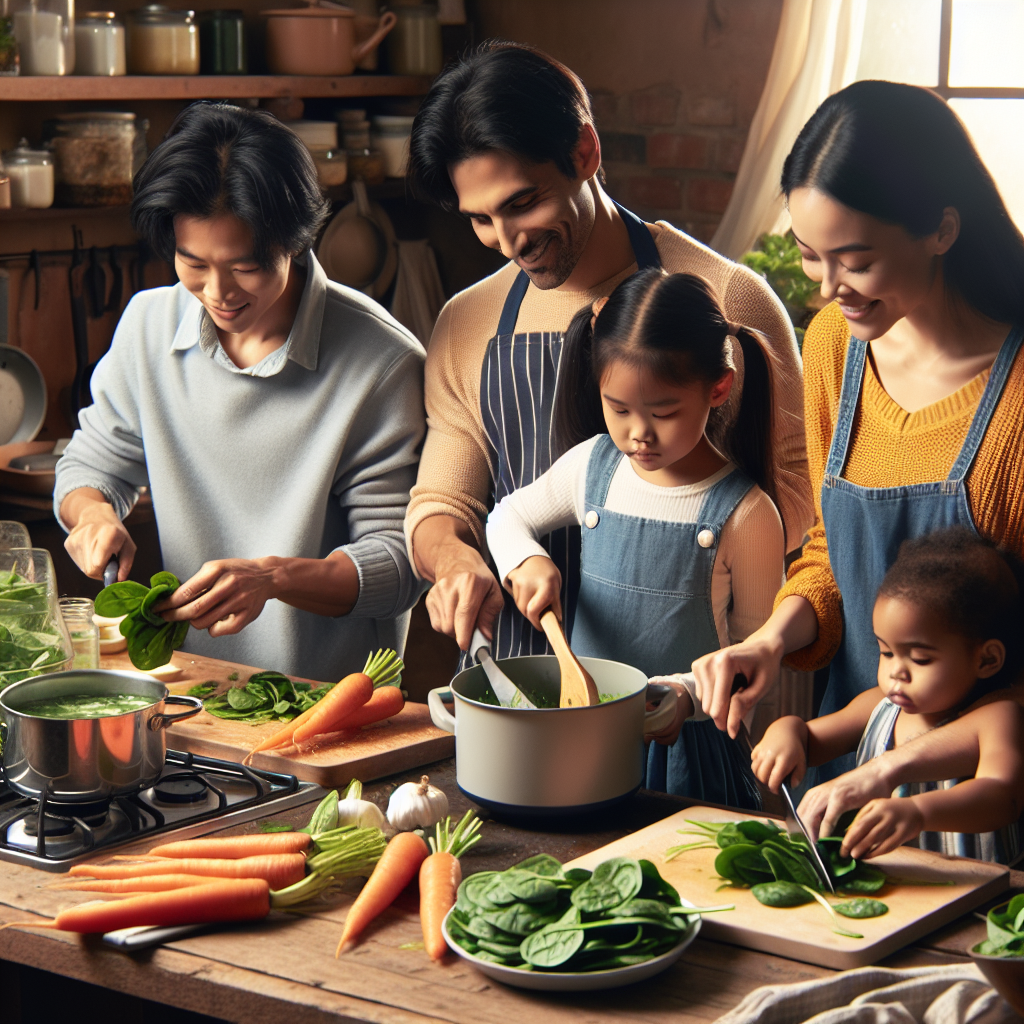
x,y
882,826
781,753
823,805
536,585
667,734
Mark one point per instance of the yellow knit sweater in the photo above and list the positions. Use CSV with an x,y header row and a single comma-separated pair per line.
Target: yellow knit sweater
x,y
890,447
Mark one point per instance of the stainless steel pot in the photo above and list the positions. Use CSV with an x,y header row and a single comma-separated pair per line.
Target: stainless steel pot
x,y
550,760
81,760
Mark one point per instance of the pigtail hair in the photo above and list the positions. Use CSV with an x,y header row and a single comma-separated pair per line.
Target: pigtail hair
x,y
577,414
746,440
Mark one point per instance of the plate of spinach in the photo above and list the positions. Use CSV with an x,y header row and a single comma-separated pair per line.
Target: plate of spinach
x,y
539,926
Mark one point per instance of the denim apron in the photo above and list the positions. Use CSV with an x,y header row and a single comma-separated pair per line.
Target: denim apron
x,y
866,525
517,396
645,599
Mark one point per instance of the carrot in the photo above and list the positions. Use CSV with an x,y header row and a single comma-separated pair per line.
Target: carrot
x,y
440,875
396,868
381,669
341,701
239,899
234,847
279,870
140,883
386,702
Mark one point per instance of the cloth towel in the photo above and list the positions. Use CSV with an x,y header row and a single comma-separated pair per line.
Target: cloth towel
x,y
957,994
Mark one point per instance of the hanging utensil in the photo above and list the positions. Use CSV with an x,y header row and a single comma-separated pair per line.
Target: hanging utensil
x,y
79,329
509,695
578,687
94,284
116,282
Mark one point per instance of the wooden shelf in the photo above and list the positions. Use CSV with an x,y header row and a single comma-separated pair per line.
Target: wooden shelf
x,y
61,213
199,87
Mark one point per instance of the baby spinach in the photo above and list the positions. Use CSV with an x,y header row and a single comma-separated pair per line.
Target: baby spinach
x,y
781,894
861,907
1005,925
151,639
266,697
612,882
31,642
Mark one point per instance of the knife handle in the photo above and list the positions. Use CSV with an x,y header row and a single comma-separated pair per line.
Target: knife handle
x,y
110,571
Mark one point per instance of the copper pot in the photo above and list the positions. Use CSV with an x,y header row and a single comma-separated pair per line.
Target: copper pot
x,y
318,40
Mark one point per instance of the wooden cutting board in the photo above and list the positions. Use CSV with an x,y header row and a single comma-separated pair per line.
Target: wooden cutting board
x,y
406,741
805,933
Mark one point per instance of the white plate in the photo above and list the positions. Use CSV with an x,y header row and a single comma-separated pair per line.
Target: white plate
x,y
578,981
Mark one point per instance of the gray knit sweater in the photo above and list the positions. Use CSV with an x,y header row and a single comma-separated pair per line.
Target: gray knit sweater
x,y
312,450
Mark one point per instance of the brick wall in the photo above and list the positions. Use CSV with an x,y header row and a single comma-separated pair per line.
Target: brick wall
x,y
674,84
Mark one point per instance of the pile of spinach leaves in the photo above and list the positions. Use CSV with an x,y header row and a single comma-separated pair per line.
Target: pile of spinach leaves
x,y
31,642
1005,925
537,916
266,697
151,639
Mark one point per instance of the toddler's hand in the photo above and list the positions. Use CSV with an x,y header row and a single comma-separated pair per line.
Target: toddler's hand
x,y
881,826
535,585
782,752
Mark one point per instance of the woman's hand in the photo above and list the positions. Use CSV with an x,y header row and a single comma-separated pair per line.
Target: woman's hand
x,y
536,585
223,597
881,826
667,734
97,535
781,753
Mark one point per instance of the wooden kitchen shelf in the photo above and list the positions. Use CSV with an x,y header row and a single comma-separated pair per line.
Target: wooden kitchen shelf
x,y
199,87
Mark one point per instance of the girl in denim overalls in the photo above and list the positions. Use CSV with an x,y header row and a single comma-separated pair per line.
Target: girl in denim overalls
x,y
682,548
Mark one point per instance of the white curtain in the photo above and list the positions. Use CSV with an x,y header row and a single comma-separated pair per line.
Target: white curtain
x,y
817,52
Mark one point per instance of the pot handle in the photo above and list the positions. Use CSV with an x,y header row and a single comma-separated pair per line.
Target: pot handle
x,y
665,711
439,714
384,26
161,721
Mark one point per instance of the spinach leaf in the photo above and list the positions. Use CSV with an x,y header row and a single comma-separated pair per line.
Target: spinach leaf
x,y
613,882
790,866
266,697
1005,924
543,864
655,887
151,640
521,918
781,894
554,945
861,907
120,599
866,879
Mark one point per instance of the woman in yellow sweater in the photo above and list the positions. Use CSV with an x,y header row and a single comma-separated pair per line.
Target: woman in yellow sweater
x,y
913,381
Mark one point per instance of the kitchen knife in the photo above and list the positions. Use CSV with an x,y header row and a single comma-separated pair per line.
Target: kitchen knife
x,y
110,571
509,695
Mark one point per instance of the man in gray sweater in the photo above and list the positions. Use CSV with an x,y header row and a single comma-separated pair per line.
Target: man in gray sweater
x,y
276,416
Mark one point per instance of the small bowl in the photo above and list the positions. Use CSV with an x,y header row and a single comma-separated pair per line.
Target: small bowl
x,y
26,481
1006,975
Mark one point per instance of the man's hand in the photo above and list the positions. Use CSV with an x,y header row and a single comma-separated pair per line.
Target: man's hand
x,y
668,734
96,534
536,585
223,597
781,753
823,805
881,826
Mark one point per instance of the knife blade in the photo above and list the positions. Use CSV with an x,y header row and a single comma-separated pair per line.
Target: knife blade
x,y
509,695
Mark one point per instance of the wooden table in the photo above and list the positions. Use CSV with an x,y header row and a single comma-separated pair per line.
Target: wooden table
x,y
284,969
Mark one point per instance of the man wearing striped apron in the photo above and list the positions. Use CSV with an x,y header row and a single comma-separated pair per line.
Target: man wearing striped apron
x,y
506,137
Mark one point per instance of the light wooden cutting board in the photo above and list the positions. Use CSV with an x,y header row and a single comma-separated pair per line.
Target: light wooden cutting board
x,y
805,933
406,741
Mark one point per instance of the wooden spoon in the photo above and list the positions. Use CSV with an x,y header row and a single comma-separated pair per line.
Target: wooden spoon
x,y
578,687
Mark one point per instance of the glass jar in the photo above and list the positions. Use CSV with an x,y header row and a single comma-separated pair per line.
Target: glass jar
x,y
31,174
9,61
13,535
365,165
414,44
93,156
222,43
5,191
77,613
331,165
99,44
162,41
45,31
390,138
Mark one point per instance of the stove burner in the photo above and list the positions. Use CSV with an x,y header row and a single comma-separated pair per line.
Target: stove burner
x,y
62,819
52,827
181,788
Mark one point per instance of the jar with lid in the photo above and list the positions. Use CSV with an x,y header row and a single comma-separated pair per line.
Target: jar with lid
x,y
9,61
162,41
414,44
93,155
222,48
78,615
45,32
390,138
31,174
99,44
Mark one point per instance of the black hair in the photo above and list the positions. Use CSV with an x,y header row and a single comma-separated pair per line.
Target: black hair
x,y
503,96
219,158
671,325
973,586
899,153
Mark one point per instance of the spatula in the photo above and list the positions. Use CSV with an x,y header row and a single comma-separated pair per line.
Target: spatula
x,y
578,687
509,695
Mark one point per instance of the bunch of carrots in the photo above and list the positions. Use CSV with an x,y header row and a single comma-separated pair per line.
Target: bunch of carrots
x,y
359,699
406,856
237,878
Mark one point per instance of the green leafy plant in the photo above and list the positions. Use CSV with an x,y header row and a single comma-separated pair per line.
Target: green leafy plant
x,y
537,916
1005,925
31,642
777,259
266,697
151,639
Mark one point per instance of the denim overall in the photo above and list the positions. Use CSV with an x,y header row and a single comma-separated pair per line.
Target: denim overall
x,y
645,599
517,396
866,525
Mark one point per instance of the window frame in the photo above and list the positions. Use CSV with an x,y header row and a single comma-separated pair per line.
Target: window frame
x,y
948,92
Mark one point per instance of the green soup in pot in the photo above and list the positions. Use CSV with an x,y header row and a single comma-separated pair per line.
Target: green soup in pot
x,y
105,705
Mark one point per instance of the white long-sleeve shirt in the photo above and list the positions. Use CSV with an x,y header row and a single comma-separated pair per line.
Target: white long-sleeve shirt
x,y
748,567
311,450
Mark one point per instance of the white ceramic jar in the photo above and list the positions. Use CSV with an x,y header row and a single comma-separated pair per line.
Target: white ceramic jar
x,y
99,44
31,174
45,31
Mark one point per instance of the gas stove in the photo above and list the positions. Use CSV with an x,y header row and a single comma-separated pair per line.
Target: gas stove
x,y
192,795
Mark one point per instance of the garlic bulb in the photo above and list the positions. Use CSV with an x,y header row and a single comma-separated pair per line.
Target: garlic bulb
x,y
361,813
416,805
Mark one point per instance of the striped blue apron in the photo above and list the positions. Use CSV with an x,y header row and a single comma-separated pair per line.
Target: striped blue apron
x,y
517,397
